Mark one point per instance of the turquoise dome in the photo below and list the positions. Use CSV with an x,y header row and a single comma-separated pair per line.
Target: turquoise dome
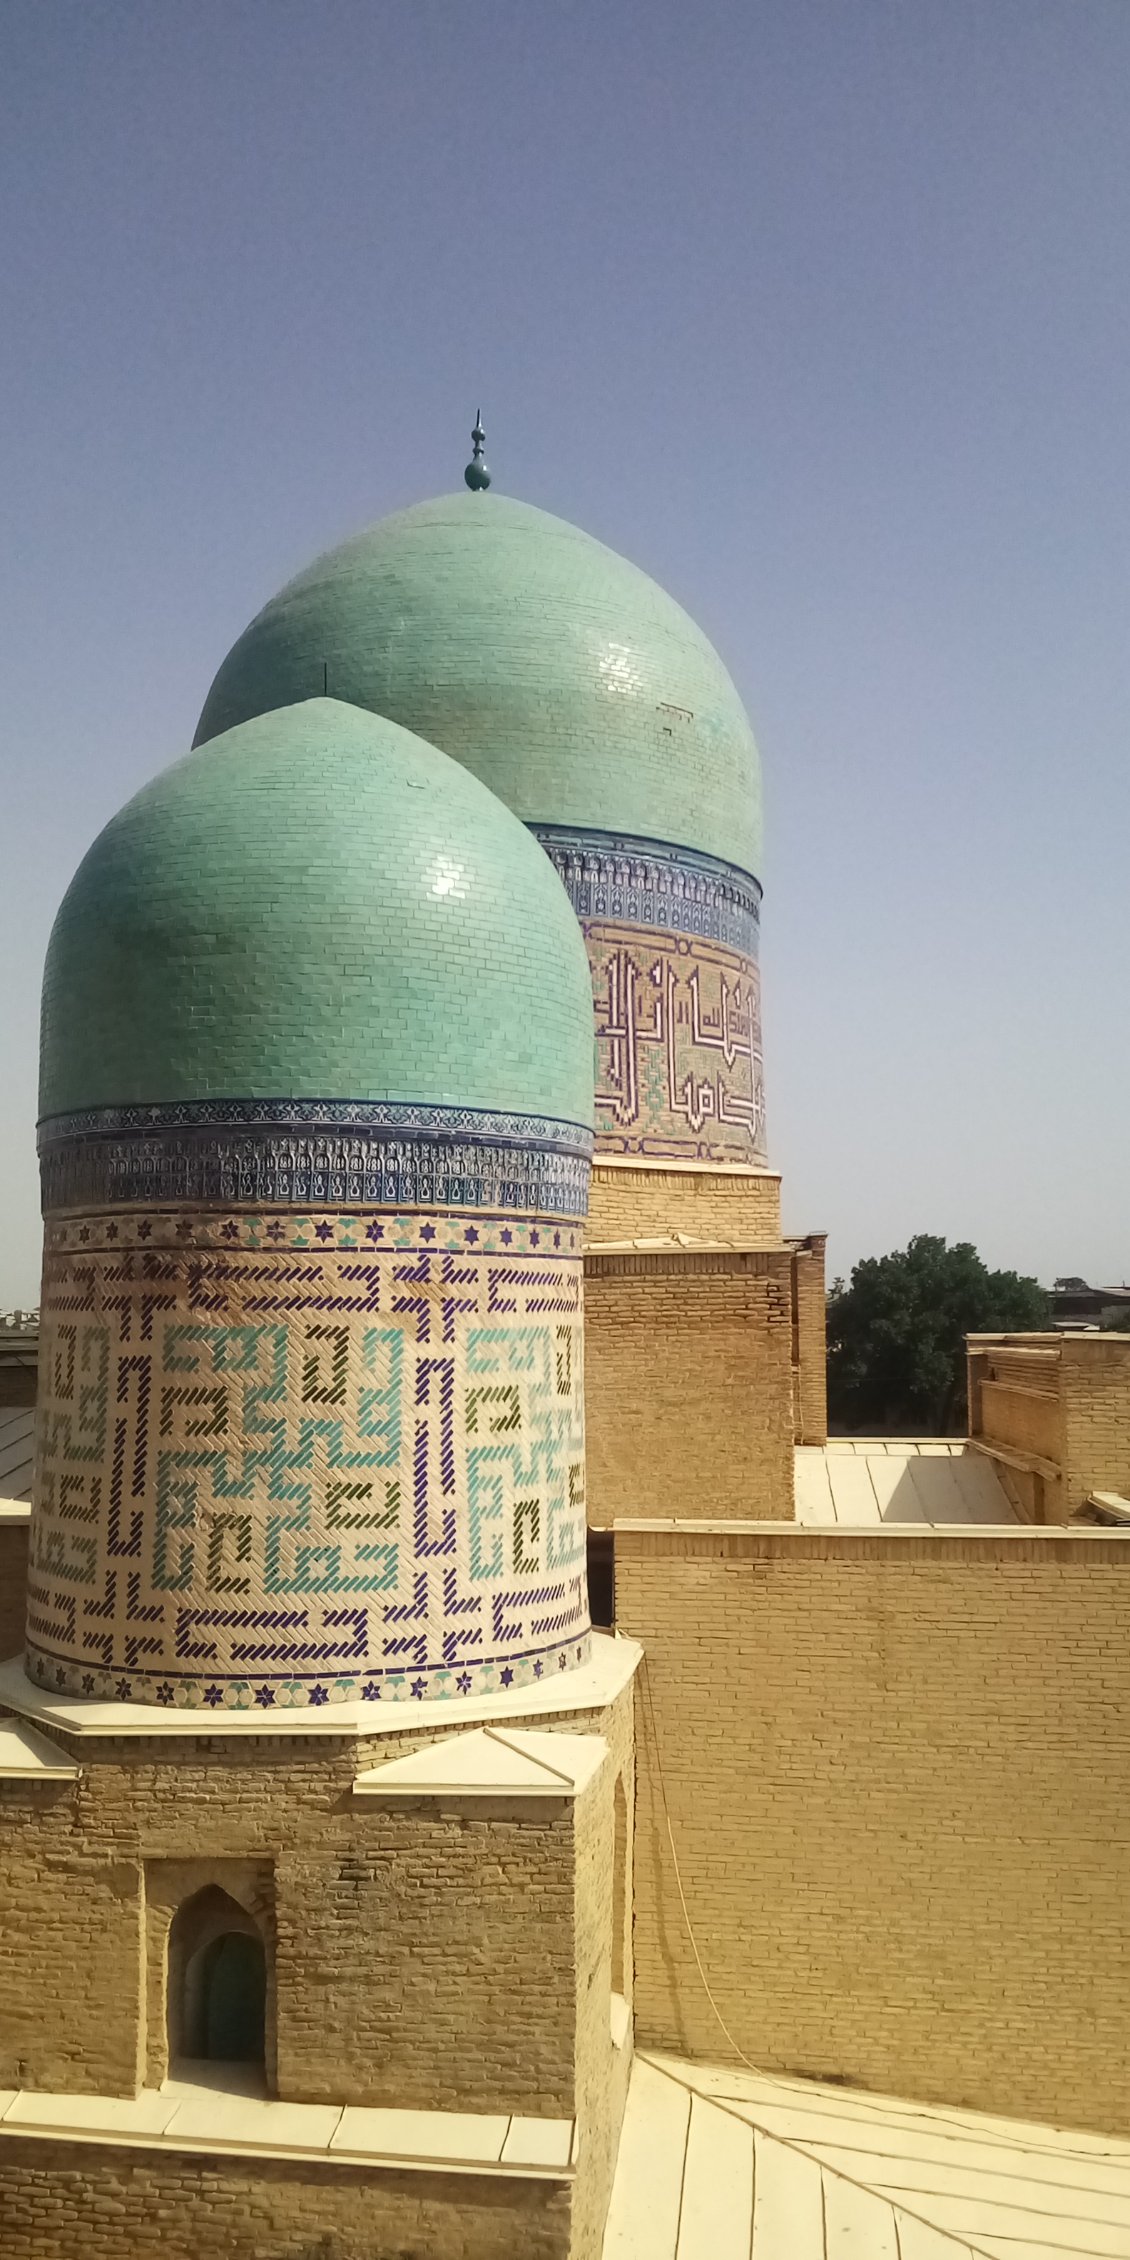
x,y
579,691
317,904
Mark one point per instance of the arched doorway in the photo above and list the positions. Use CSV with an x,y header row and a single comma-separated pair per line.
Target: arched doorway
x,y
217,1983
225,1999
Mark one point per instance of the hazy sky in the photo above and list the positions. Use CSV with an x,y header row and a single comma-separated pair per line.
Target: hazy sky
x,y
819,310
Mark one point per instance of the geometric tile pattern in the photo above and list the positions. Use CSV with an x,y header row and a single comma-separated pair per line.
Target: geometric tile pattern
x,y
304,1151
672,940
277,1471
317,1229
724,2164
645,883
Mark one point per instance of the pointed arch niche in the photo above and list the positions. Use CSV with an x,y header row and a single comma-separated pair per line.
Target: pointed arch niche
x,y
211,1978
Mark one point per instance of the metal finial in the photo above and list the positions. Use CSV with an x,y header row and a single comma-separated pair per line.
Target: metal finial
x,y
476,473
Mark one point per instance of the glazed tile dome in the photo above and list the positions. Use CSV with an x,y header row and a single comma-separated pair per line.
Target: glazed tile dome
x,y
559,673
317,903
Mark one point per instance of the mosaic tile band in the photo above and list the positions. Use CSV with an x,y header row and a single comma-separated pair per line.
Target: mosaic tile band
x,y
290,1152
672,938
283,1476
319,1230
645,883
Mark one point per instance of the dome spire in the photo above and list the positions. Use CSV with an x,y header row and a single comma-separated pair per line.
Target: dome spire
x,y
476,473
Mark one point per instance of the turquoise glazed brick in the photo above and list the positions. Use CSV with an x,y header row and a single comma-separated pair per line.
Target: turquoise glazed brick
x,y
559,673
317,904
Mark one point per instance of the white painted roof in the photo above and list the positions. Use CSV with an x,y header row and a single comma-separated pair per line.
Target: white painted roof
x,y
490,1762
864,1482
731,2165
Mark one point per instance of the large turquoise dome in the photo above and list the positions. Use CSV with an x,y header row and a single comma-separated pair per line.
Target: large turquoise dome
x,y
317,904
560,674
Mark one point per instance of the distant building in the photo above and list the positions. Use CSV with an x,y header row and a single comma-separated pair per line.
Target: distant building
x,y
1074,1303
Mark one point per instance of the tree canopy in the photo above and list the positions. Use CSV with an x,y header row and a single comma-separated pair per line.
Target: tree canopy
x,y
896,1334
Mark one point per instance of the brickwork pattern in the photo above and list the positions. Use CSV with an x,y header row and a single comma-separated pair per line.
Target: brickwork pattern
x,y
810,1349
64,2202
902,1838
627,1203
689,1397
1061,1401
291,1473
357,1886
1096,1418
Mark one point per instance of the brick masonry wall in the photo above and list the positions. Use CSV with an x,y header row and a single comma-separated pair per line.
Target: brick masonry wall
x,y
632,1204
13,1585
810,1349
377,1997
1096,1417
689,1385
64,2202
896,1773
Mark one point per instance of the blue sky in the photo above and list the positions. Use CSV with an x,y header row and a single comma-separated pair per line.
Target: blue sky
x,y
817,309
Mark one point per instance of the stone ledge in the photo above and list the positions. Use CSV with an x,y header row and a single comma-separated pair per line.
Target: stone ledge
x,y
212,2122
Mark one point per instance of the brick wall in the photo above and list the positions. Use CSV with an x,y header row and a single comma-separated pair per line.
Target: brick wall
x,y
688,1388
445,1955
810,1348
896,1772
65,2201
709,1204
1096,1416
371,1907
1057,1407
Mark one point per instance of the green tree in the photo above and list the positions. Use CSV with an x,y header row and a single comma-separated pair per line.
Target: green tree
x,y
896,1334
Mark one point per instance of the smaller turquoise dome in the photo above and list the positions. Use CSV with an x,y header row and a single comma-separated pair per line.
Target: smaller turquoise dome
x,y
317,904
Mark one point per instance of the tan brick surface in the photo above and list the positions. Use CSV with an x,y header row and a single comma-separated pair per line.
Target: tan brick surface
x,y
442,1955
62,2203
734,1204
810,1356
1061,1400
688,1389
897,1770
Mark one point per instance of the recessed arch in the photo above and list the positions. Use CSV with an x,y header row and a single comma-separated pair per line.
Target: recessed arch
x,y
217,1982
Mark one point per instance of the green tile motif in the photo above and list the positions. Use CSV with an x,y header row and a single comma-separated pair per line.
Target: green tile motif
x,y
317,904
559,673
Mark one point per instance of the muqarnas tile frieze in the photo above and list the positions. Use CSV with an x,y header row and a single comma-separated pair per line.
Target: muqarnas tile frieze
x,y
307,1455
672,939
